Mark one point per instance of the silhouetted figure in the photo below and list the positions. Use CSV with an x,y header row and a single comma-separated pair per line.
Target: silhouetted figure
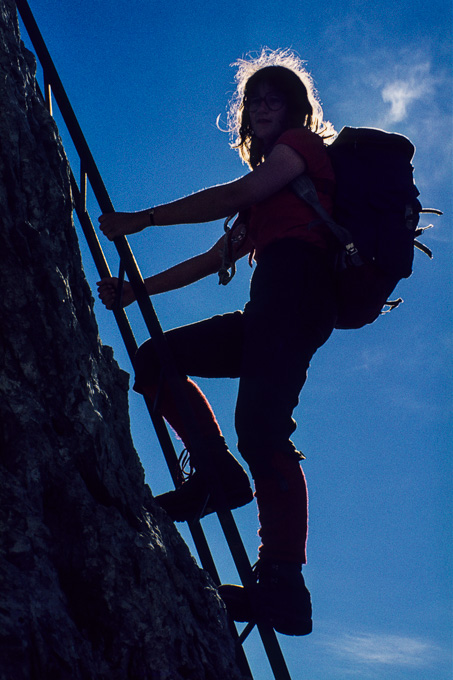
x,y
278,129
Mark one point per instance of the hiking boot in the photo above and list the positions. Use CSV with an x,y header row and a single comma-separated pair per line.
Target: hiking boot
x,y
279,598
194,500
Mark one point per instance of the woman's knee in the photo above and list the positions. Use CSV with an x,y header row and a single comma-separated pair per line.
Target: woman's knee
x,y
146,366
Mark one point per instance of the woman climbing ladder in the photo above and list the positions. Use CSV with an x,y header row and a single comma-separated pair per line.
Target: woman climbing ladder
x,y
278,128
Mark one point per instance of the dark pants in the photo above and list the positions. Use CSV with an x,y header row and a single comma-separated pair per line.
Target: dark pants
x,y
268,346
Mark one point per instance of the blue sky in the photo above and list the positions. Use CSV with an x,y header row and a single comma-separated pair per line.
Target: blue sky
x,y
147,81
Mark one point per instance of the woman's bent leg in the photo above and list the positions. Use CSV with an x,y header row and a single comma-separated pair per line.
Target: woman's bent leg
x,y
198,349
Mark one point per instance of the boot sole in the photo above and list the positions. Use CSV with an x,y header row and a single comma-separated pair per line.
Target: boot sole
x,y
241,609
191,512
293,629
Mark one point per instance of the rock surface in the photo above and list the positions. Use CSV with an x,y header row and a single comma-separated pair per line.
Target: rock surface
x,y
92,586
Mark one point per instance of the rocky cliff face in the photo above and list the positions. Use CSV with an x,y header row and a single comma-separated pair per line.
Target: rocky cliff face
x,y
91,585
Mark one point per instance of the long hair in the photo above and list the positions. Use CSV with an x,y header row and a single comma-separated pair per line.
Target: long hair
x,y
285,72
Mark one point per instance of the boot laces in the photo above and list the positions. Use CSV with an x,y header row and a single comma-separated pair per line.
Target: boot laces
x,y
186,468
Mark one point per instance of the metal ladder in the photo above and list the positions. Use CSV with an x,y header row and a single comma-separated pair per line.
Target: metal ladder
x,y
89,173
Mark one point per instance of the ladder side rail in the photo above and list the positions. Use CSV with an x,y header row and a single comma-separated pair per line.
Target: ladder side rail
x,y
153,325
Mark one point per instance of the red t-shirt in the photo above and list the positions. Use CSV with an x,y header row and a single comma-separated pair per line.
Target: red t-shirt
x,y
284,214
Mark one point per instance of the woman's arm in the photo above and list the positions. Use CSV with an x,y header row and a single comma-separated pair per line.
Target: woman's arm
x,y
178,276
280,168
187,272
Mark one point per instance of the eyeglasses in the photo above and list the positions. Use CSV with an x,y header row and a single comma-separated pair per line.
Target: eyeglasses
x,y
274,102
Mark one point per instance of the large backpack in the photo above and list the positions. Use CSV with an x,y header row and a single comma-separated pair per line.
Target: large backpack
x,y
375,219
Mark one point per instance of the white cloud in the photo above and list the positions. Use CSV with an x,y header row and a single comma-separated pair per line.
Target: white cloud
x,y
384,649
417,84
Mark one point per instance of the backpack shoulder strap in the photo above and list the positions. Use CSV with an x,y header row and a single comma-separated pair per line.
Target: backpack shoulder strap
x,y
305,189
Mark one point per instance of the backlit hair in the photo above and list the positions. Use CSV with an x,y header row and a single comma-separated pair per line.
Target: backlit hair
x,y
285,72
